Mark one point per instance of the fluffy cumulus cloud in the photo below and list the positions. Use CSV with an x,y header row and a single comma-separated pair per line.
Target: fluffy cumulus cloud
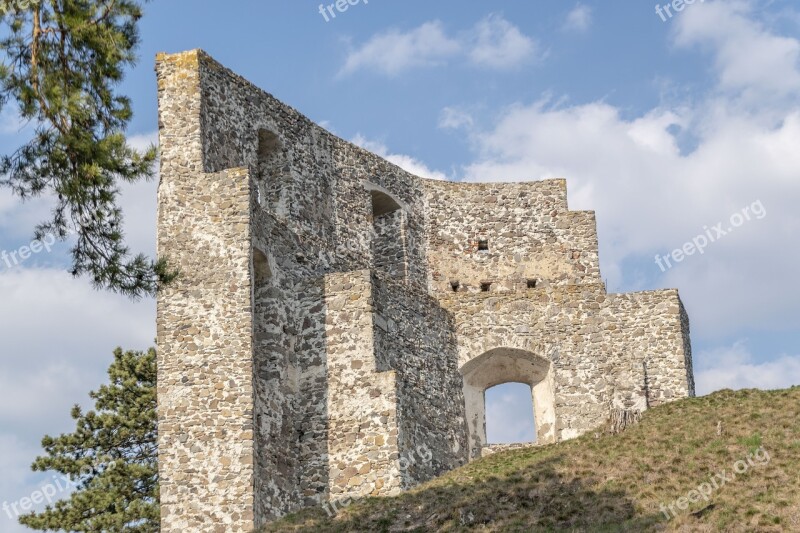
x,y
500,45
493,43
59,333
665,177
406,162
679,173
749,58
394,51
735,367
15,483
58,338
579,19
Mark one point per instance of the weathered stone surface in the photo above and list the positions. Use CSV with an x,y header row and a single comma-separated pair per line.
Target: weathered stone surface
x,y
338,319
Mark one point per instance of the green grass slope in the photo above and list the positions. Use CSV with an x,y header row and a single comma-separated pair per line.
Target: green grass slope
x,y
689,449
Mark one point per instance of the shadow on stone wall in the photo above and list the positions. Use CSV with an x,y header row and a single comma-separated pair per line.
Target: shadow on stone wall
x,y
495,496
416,338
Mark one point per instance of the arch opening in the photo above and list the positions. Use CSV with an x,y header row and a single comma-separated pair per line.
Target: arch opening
x,y
273,172
261,269
508,365
389,233
383,204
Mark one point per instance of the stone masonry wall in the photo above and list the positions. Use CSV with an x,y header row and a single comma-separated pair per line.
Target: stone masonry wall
x,y
348,436
338,319
206,396
416,338
528,231
598,344
205,381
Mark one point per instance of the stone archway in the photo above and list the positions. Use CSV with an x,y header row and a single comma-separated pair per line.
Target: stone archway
x,y
389,233
507,365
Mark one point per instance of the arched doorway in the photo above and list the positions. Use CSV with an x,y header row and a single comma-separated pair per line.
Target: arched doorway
x,y
507,365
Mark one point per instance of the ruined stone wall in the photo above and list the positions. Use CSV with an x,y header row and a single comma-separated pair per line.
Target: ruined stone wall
x,y
312,216
276,369
329,337
205,396
390,245
598,345
349,441
205,381
415,337
653,329
528,232
315,181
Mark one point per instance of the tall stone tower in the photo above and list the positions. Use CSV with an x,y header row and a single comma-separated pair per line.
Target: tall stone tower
x,y
337,319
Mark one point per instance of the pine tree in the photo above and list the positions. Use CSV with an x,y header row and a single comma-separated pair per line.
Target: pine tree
x,y
111,456
62,61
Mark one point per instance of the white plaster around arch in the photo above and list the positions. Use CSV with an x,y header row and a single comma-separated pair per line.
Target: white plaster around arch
x,y
507,365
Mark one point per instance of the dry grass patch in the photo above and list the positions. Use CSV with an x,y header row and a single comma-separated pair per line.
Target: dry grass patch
x,y
613,483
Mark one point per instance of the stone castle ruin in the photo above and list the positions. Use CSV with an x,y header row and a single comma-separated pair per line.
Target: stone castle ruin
x,y
336,316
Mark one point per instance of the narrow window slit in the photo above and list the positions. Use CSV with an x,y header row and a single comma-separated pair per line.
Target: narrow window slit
x,y
486,286
531,283
483,245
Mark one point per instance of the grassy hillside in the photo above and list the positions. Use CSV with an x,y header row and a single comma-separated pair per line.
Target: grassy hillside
x,y
616,483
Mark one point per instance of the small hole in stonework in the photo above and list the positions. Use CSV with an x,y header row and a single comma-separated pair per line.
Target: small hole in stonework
x,y
455,285
531,283
483,245
486,286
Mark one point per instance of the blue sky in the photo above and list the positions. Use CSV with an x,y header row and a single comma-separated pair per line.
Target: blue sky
x,y
663,128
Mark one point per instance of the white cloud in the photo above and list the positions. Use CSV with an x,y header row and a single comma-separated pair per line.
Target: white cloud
x,y
394,52
59,334
452,118
138,202
652,197
406,162
749,59
500,45
734,367
493,43
16,481
579,19
142,141
58,338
